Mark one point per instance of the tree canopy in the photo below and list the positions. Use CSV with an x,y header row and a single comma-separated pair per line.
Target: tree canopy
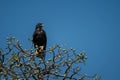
x,y
19,63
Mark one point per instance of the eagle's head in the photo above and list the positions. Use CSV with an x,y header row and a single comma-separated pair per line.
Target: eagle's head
x,y
39,26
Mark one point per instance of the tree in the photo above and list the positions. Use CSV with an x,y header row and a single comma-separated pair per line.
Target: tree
x,y
18,63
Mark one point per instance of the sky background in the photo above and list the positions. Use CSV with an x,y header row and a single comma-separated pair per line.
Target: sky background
x,y
92,26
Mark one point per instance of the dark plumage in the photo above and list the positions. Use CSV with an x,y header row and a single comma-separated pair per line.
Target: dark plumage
x,y
39,40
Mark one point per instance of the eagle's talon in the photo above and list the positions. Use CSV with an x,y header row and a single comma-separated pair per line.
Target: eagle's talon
x,y
36,52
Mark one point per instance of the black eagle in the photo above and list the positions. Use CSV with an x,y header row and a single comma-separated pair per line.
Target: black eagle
x,y
40,40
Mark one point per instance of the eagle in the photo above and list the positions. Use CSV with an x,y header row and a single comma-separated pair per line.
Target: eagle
x,y
39,41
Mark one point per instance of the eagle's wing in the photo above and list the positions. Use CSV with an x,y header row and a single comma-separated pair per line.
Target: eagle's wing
x,y
40,41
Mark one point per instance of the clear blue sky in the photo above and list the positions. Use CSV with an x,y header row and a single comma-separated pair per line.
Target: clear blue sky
x,y
92,26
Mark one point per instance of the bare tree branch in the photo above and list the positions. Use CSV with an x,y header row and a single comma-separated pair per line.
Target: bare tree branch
x,y
18,63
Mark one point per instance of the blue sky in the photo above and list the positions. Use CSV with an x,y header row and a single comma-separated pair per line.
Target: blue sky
x,y
92,26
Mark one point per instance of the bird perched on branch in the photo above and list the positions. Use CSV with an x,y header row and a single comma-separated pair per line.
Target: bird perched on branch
x,y
40,40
